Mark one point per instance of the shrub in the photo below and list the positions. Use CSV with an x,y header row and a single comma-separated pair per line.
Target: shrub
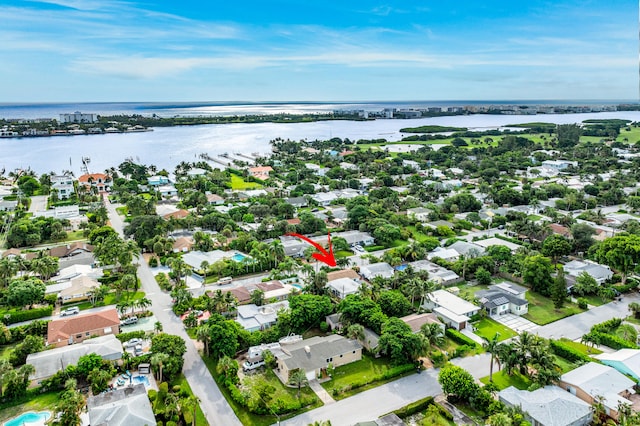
x,y
567,352
460,338
324,327
608,326
613,341
153,261
18,315
582,303
414,408
123,337
462,351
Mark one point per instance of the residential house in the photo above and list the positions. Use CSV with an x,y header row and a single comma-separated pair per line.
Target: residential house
x,y
242,294
261,173
436,272
74,329
349,166
314,355
8,205
448,254
100,181
559,165
128,406
626,361
274,290
380,269
355,238
548,406
342,273
416,321
558,229
293,247
489,242
467,249
47,363
70,250
315,168
80,288
297,201
195,258
253,318
167,191
333,321
592,381
158,180
498,301
370,341
419,213
63,184
342,287
178,214
453,310
573,269
183,244
214,199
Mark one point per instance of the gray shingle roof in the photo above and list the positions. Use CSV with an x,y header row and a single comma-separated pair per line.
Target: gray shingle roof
x,y
549,406
320,350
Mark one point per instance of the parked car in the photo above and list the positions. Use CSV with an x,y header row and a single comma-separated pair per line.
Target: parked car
x,y
138,350
70,311
132,342
129,321
358,248
252,365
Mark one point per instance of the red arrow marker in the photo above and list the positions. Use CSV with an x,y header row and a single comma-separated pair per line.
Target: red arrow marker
x,y
324,256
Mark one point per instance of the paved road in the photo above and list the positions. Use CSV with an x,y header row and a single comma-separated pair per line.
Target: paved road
x,y
575,326
215,407
370,405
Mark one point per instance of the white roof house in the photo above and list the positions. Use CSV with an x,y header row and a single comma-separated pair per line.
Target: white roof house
x,y
444,253
548,406
626,361
592,380
497,242
437,272
252,317
342,287
600,273
380,269
453,310
47,363
127,406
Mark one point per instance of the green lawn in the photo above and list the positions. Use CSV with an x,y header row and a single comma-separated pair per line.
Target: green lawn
x,y
580,347
343,253
468,292
184,385
534,217
399,243
632,320
594,300
245,417
417,235
110,299
564,364
238,183
122,211
45,401
541,310
360,371
488,328
5,351
503,381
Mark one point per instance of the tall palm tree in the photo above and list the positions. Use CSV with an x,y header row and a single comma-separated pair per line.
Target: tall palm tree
x,y
491,346
298,378
144,303
6,369
433,333
158,360
202,335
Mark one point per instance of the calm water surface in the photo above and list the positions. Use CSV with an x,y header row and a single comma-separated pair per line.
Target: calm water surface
x,y
167,146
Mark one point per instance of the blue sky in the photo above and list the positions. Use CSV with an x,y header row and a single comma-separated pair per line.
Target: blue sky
x,y
308,50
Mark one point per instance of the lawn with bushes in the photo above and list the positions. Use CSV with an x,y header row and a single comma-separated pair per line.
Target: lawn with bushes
x,y
542,311
368,370
184,385
238,183
502,380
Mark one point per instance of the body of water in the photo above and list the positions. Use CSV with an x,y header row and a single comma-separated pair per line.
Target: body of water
x,y
167,146
30,418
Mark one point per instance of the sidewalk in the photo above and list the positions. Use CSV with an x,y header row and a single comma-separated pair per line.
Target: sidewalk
x,y
321,392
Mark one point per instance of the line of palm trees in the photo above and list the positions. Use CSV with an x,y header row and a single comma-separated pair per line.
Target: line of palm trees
x,y
132,305
44,266
528,354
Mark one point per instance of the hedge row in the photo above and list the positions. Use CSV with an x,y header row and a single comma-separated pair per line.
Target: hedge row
x,y
36,328
460,338
613,341
18,315
422,405
607,326
567,352
125,337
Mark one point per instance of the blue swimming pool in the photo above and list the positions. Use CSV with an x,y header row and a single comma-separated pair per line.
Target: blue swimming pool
x,y
28,418
141,379
298,286
401,267
238,257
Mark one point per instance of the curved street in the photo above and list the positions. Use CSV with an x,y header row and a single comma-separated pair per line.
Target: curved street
x,y
212,402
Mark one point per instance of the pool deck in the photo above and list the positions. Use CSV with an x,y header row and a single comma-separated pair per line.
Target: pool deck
x,y
150,377
40,422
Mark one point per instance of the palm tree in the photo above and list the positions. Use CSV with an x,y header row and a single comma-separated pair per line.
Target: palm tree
x,y
628,332
434,334
491,346
157,360
634,308
298,378
190,403
356,331
157,327
202,335
6,369
204,265
144,303
8,269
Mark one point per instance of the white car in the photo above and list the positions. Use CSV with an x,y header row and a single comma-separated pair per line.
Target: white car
x,y
249,365
132,342
70,311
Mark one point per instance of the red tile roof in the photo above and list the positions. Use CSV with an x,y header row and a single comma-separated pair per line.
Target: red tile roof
x,y
95,176
61,329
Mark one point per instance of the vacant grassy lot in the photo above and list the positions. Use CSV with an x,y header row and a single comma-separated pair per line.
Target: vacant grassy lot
x,y
541,310
110,299
580,347
360,371
488,328
468,292
503,381
184,385
237,183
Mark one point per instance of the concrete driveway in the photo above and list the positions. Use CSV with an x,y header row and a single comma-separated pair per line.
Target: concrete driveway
x,y
516,323
38,203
